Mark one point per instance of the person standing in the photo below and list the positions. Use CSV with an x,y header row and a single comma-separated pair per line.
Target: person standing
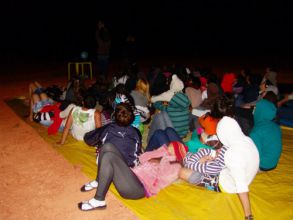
x,y
103,48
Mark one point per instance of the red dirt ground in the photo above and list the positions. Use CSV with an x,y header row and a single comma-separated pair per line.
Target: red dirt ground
x,y
37,182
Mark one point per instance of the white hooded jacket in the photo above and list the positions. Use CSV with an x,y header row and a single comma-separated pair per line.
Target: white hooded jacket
x,y
176,85
241,158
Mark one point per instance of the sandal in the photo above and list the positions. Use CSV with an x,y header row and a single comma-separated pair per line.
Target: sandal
x,y
89,206
89,186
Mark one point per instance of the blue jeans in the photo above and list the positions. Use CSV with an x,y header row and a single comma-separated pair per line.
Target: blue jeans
x,y
161,137
193,123
160,121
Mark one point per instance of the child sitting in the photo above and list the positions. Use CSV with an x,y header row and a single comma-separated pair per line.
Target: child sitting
x,y
203,165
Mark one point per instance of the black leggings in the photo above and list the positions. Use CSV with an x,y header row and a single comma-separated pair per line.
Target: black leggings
x,y
113,168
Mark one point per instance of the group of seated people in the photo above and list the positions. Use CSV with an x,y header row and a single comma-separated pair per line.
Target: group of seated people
x,y
234,134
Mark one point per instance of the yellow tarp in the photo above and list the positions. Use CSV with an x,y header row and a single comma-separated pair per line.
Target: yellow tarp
x,y
271,193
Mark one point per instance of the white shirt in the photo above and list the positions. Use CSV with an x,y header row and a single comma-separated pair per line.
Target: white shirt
x,y
83,122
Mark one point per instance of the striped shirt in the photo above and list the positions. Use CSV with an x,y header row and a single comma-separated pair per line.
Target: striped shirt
x,y
211,167
178,112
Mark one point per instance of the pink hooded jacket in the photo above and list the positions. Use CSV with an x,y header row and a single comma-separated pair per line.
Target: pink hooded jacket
x,y
156,176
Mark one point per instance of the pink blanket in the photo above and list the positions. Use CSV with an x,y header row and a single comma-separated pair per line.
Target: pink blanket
x,y
156,176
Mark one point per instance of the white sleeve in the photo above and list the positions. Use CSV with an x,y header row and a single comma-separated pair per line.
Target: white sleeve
x,y
165,96
204,95
236,164
65,112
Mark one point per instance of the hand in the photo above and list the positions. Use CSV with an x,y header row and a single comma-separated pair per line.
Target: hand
x,y
249,217
155,160
205,159
30,118
59,142
165,103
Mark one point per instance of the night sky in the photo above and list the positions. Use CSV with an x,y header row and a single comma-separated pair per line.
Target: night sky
x,y
62,29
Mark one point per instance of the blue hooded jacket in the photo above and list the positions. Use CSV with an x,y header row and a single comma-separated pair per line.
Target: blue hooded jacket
x,y
266,134
126,139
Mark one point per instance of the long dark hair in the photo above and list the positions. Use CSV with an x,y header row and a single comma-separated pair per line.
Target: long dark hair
x,y
223,106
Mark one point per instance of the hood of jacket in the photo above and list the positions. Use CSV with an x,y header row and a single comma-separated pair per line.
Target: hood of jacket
x,y
265,111
176,84
229,132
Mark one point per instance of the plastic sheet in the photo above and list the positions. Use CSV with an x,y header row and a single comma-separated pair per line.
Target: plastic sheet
x,y
271,193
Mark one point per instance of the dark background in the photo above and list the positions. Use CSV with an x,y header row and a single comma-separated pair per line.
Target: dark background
x,y
60,30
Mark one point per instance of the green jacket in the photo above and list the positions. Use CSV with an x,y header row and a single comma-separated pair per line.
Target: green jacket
x,y
266,134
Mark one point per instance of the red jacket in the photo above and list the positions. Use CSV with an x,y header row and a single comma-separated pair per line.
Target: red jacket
x,y
53,128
